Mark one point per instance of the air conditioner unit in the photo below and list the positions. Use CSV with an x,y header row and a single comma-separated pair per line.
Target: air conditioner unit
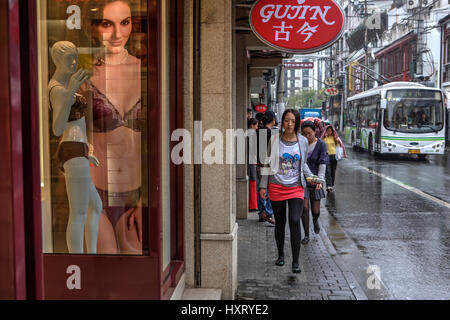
x,y
411,4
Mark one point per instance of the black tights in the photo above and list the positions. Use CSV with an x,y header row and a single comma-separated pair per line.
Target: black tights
x,y
295,211
315,211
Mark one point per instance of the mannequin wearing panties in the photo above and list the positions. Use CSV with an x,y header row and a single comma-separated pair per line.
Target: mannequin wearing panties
x,y
69,108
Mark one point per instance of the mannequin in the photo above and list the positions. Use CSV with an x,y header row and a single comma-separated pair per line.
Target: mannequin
x,y
68,109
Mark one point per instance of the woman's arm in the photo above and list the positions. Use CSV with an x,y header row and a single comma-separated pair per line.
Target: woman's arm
x,y
63,98
304,155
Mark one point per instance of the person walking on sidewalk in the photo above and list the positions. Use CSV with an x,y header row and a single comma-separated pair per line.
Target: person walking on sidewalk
x,y
286,185
252,126
332,140
265,210
317,162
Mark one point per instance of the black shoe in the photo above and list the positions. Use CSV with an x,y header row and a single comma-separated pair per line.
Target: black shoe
x,y
262,216
305,240
270,220
316,226
280,261
296,268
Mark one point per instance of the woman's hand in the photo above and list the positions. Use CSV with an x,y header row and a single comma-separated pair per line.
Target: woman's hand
x,y
135,218
263,193
318,186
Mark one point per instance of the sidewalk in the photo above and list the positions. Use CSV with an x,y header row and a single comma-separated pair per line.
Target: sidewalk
x,y
321,278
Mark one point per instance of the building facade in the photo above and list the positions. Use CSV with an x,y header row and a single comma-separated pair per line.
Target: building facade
x,y
195,65
389,41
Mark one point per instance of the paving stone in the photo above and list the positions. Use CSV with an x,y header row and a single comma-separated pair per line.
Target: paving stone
x,y
339,298
259,278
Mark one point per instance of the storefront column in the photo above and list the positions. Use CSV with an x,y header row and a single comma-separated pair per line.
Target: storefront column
x,y
218,216
241,95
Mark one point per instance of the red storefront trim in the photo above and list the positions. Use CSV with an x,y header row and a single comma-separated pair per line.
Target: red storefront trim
x,y
396,44
16,149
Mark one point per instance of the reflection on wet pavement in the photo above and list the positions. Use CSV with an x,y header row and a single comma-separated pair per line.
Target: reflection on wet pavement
x,y
406,235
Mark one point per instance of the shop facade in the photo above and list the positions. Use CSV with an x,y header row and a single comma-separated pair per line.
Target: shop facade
x,y
161,228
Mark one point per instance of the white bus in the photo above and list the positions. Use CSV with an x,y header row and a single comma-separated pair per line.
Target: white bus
x,y
397,118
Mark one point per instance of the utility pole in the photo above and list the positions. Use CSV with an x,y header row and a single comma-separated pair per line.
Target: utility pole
x,y
420,42
280,93
366,59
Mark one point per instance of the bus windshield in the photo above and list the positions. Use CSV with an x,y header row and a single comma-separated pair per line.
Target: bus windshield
x,y
414,111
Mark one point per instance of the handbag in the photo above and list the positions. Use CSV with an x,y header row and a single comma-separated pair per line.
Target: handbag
x,y
339,153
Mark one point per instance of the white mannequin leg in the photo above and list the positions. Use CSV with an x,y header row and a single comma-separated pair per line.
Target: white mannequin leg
x,y
93,218
78,183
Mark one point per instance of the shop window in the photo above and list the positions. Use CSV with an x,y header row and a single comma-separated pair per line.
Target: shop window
x,y
391,64
93,126
305,84
399,62
448,50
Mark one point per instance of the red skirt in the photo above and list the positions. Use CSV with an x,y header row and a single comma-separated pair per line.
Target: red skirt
x,y
252,199
280,193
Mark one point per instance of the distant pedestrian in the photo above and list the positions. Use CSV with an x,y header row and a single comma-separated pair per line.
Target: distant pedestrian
x,y
286,185
317,163
249,113
332,140
265,210
259,117
252,126
319,127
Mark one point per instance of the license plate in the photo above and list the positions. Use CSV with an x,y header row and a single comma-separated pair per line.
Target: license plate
x,y
415,151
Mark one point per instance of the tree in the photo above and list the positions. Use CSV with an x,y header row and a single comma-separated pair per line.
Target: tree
x,y
302,98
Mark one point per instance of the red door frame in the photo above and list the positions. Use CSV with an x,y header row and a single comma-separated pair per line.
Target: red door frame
x,y
172,274
12,235
103,277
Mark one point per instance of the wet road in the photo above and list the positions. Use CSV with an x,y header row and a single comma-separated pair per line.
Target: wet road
x,y
397,212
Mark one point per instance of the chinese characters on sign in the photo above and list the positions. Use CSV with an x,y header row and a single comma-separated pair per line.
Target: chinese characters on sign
x,y
331,91
298,26
299,65
261,108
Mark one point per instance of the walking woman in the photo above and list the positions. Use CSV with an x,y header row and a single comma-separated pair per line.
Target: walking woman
x,y
252,126
332,140
317,162
286,185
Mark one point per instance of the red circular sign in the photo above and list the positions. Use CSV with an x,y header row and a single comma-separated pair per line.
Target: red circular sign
x,y
297,26
331,91
261,108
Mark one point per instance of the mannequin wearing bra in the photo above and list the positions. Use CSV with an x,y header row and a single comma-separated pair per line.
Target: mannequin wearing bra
x,y
116,128
69,109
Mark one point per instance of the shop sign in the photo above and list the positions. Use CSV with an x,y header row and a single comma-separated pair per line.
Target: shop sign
x,y
332,81
297,26
331,91
260,108
299,65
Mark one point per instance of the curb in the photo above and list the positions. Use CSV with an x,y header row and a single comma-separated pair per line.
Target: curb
x,y
349,267
348,276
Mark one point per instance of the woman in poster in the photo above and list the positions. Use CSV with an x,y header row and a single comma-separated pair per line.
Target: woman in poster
x,y
116,126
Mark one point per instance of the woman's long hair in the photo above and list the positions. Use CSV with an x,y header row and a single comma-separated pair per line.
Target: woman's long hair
x,y
297,119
